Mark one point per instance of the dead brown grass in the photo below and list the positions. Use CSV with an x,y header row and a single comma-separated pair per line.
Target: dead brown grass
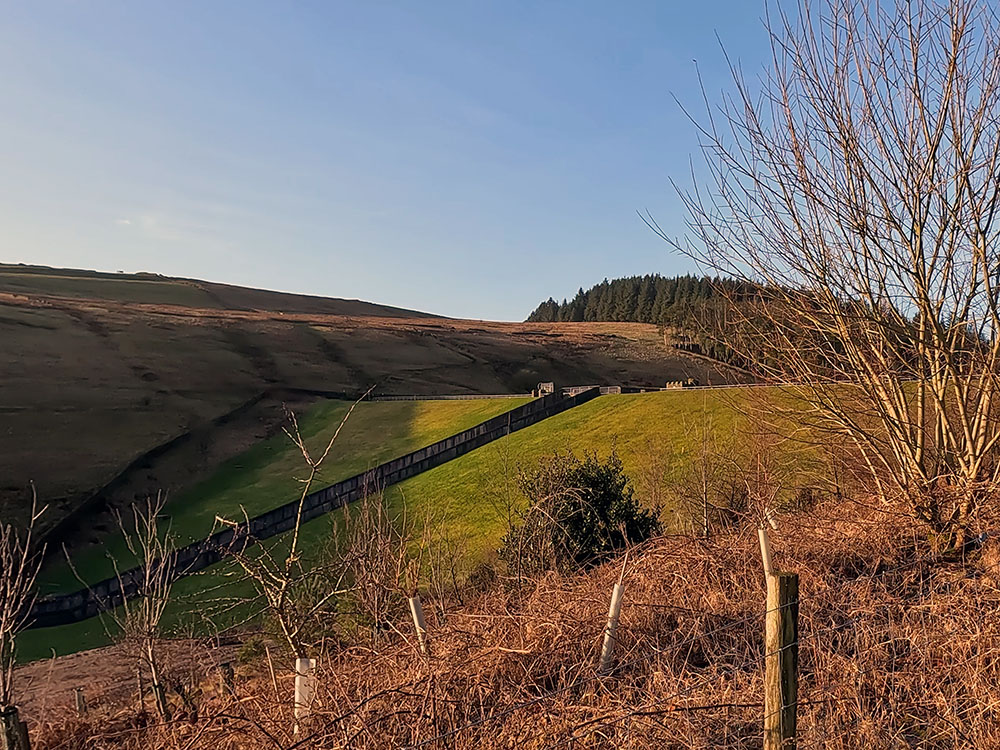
x,y
899,647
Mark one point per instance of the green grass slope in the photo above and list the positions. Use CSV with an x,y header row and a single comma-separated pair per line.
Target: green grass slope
x,y
471,492
657,436
265,476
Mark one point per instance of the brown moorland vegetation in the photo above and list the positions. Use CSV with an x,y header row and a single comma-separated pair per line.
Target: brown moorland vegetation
x,y
92,383
898,647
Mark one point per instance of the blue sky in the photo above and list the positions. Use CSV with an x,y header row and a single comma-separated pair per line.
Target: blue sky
x,y
466,158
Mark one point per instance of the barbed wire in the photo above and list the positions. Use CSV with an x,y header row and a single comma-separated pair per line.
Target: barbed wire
x,y
853,619
570,686
687,689
632,662
731,669
734,668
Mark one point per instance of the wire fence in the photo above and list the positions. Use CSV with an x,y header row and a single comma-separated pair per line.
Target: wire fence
x,y
668,689
757,662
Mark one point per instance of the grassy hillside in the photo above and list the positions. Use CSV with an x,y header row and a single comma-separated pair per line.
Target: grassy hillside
x,y
264,476
657,435
89,385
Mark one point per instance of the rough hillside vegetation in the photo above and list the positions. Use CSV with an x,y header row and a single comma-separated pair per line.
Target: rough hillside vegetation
x,y
898,647
96,379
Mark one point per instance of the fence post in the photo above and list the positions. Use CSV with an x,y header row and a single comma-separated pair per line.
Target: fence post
x,y
417,611
611,631
13,731
81,701
781,648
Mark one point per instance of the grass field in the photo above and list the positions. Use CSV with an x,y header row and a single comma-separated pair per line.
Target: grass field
x,y
658,437
468,495
265,476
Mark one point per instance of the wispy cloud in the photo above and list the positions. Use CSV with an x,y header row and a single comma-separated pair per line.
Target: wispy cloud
x,y
199,230
123,222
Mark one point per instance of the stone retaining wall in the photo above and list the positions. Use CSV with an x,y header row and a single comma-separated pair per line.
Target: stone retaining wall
x,y
456,397
104,595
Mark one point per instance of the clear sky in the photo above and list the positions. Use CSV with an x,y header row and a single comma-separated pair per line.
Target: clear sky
x,y
465,158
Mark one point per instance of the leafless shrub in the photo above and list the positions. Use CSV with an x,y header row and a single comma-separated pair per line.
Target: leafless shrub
x,y
854,192
716,482
372,548
388,557
706,491
501,489
138,619
296,593
441,561
19,564
657,470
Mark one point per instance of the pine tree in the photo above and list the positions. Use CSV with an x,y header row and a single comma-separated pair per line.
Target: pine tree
x,y
689,303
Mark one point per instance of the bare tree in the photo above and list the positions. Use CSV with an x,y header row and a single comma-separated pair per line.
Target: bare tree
x,y
139,617
702,485
294,592
19,564
370,549
855,189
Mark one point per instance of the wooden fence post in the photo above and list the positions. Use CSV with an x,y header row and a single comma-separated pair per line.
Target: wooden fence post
x,y
81,701
781,648
13,731
418,623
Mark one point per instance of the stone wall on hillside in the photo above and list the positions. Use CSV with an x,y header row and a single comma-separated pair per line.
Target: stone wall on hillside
x,y
107,594
455,397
